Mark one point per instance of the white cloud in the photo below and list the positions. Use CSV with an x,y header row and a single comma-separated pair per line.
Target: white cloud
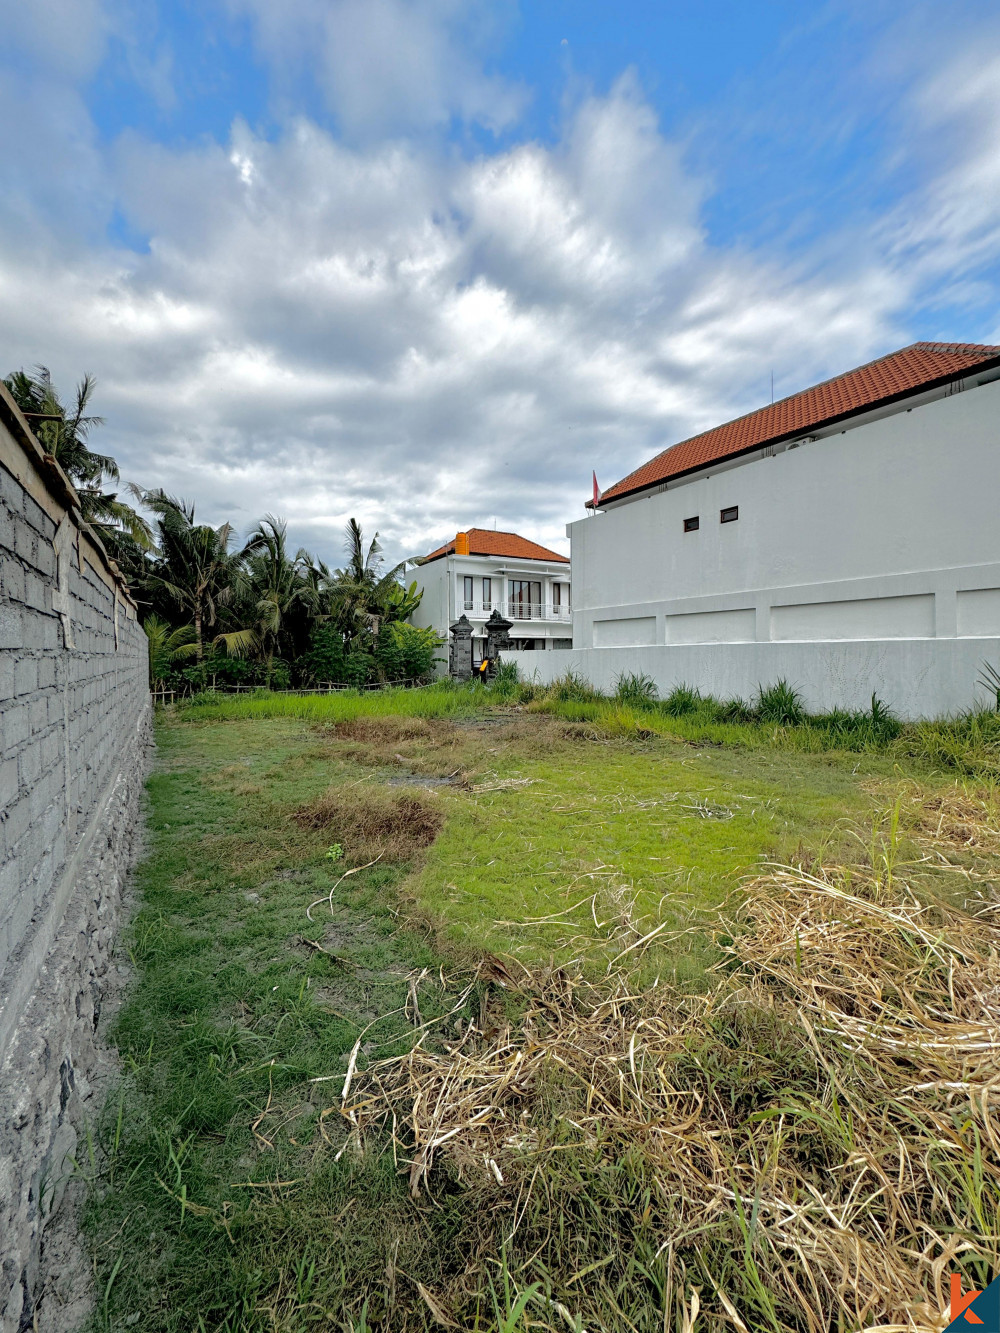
x,y
430,342
65,37
383,65
957,227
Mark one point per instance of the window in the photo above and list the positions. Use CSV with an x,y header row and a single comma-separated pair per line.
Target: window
x,y
729,515
487,595
557,594
692,524
468,592
525,598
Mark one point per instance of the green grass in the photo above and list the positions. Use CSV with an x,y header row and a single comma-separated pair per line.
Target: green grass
x,y
219,1202
666,826
231,1016
442,699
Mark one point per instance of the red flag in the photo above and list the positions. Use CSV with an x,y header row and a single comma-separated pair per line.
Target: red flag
x,y
597,492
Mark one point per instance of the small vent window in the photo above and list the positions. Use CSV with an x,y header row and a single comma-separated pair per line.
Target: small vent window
x,y
692,524
729,515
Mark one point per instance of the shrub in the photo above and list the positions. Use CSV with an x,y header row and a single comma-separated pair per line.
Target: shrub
x,y
681,700
635,690
780,703
324,661
405,652
359,667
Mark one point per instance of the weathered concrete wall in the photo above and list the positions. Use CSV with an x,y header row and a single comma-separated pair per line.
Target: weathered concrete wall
x,y
74,739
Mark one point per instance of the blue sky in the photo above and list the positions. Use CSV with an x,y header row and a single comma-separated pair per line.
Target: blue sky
x,y
430,262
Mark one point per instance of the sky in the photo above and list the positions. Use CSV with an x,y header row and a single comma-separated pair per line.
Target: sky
x,y
431,263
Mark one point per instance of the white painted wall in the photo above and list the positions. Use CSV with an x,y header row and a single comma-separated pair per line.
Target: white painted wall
x,y
868,559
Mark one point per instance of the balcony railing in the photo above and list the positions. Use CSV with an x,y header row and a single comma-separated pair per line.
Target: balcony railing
x,y
518,610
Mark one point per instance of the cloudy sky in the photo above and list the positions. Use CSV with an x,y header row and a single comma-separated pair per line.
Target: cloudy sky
x,y
429,262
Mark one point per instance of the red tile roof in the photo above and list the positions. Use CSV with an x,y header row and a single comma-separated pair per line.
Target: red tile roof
x,y
484,541
908,371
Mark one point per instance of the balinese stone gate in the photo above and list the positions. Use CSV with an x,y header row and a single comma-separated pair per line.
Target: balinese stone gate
x,y
74,740
460,649
460,655
497,635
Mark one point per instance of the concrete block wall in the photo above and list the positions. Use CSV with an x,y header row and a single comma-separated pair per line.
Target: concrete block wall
x,y
74,742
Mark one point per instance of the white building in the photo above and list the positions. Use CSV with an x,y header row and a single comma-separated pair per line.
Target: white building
x,y
845,539
480,571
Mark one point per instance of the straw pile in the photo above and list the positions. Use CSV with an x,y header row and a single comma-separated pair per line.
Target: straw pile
x,y
812,1144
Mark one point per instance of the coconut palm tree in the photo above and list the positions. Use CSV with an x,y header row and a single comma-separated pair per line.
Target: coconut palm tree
x,y
167,646
195,569
361,596
277,591
63,433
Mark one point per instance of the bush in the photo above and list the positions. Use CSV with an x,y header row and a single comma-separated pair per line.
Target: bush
x,y
780,703
324,662
681,700
359,667
277,674
635,690
404,652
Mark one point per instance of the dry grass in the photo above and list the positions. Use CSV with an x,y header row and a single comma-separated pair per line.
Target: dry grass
x,y
372,821
962,818
814,1143
442,746
388,730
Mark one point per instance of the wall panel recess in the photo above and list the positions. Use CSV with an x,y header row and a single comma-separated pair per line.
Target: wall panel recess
x,y
909,617
979,613
713,627
627,633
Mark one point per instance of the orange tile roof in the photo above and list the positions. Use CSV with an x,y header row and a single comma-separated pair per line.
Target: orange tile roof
x,y
483,541
898,375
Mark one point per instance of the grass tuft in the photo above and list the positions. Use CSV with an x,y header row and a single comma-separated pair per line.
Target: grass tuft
x,y
780,703
370,821
635,690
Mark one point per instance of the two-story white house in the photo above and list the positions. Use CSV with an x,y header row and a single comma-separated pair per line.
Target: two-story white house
x,y
845,539
480,571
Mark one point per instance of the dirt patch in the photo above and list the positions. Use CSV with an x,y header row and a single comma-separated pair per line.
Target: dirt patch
x,y
370,821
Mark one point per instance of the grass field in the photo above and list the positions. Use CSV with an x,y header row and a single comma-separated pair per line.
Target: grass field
x,y
332,879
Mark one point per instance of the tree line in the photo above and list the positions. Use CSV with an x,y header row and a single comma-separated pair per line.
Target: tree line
x,y
218,611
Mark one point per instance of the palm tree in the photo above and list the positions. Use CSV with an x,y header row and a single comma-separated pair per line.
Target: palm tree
x,y
195,568
361,596
276,591
63,434
166,646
